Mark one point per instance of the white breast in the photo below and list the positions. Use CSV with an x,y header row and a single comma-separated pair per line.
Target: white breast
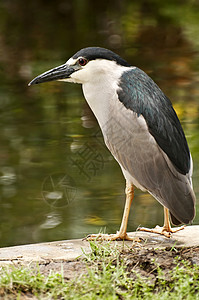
x,y
100,89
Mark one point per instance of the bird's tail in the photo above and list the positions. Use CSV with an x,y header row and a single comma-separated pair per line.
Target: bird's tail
x,y
185,212
178,196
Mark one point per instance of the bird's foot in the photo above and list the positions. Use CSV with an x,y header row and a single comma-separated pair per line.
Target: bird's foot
x,y
166,231
111,237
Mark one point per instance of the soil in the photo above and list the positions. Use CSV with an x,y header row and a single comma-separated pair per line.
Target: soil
x,y
146,262
139,259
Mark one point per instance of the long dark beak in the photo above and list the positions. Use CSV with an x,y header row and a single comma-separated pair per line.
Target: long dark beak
x,y
62,72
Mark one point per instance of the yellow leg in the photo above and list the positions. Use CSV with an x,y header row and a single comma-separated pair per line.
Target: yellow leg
x,y
167,225
166,230
121,234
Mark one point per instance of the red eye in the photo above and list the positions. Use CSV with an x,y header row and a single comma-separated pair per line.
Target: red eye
x,y
82,61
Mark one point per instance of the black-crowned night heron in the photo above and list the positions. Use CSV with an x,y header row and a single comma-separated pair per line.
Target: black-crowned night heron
x,y
141,130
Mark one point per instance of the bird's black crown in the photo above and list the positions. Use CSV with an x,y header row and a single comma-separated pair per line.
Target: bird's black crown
x,y
92,53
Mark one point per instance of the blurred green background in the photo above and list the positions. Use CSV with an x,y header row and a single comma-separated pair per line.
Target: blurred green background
x,y
57,180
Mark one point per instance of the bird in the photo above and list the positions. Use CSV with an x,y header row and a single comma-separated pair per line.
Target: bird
x,y
141,130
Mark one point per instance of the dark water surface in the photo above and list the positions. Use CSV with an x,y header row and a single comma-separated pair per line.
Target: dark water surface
x,y
57,179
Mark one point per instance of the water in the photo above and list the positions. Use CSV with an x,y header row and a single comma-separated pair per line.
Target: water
x,y
57,179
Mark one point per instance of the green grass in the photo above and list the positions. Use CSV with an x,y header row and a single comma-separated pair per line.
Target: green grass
x,y
107,278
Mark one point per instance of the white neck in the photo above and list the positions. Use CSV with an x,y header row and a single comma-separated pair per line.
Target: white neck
x,y
100,91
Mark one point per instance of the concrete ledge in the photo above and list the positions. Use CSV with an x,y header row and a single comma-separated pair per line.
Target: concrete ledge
x,y
71,249
60,250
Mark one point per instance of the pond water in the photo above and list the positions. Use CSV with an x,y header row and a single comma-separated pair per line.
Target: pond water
x,y
57,179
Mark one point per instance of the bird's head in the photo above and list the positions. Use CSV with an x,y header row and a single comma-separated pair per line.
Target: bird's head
x,y
83,66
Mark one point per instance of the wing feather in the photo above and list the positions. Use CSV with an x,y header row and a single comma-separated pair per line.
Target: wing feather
x,y
145,164
139,93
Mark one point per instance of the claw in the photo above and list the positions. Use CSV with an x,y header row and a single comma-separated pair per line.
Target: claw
x,y
162,230
111,237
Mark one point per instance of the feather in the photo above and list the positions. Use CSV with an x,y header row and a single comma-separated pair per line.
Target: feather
x,y
145,164
139,93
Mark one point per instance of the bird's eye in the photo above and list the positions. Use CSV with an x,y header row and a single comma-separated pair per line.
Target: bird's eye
x,y
82,61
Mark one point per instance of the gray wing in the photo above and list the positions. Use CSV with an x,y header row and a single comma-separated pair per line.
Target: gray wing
x,y
144,162
139,93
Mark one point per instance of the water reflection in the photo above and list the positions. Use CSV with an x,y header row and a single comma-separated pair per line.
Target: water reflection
x,y
57,179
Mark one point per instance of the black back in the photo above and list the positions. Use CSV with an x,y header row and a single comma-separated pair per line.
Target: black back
x,y
142,95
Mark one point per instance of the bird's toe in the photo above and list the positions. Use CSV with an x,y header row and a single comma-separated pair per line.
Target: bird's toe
x,y
111,237
167,232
